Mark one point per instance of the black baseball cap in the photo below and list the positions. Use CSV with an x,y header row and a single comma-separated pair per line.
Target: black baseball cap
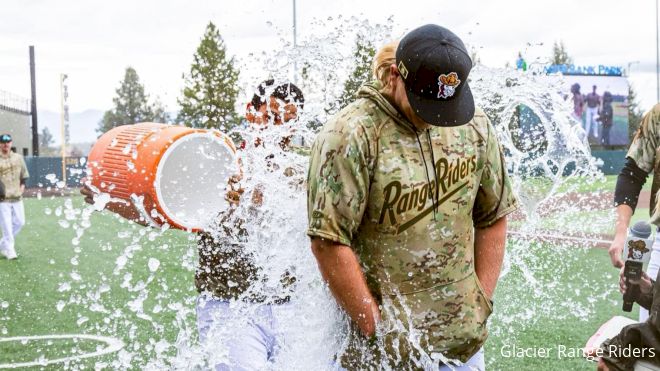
x,y
287,92
435,65
5,138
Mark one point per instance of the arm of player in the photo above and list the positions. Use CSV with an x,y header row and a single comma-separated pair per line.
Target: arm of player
x,y
125,209
623,215
489,253
339,267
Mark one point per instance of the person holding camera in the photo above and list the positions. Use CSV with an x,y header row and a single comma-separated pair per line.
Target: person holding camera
x,y
641,160
640,340
13,175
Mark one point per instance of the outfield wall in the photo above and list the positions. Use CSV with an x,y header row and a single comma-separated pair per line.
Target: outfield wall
x,y
613,161
47,171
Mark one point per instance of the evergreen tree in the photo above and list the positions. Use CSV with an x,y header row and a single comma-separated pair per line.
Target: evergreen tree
x,y
45,141
159,114
210,91
635,114
363,54
45,138
559,54
130,105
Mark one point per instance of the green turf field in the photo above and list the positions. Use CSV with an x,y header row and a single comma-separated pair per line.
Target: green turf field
x,y
58,287
45,290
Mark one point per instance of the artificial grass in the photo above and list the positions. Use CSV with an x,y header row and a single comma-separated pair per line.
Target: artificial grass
x,y
575,291
62,286
55,287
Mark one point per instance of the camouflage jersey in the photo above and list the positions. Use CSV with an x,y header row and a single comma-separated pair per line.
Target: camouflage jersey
x,y
644,151
12,172
371,186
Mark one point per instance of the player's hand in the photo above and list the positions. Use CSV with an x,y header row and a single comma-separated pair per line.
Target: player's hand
x,y
234,190
615,250
122,208
645,284
602,366
87,191
257,197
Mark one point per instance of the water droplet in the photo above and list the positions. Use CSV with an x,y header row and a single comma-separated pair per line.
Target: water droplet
x,y
153,264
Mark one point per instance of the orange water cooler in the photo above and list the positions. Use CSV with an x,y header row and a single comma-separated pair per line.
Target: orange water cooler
x,y
169,174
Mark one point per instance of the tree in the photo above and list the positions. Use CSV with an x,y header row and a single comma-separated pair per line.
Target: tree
x,y
635,114
159,114
210,91
45,142
363,54
130,105
45,138
559,54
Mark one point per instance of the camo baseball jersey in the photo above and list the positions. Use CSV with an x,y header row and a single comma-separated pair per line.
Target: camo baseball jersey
x,y
12,171
644,151
371,186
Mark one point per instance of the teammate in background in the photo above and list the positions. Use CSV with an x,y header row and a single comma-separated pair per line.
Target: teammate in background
x,y
13,175
407,202
225,273
593,106
521,64
606,116
641,159
578,102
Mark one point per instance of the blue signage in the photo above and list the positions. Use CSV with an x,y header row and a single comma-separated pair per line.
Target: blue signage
x,y
570,69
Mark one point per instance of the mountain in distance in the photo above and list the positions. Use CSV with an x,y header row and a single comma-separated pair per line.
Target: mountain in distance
x,y
82,125
82,128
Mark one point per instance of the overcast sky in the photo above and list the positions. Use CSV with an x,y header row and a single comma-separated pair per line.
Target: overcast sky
x,y
94,41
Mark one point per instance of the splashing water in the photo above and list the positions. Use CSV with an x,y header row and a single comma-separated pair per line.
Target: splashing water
x,y
544,148
548,159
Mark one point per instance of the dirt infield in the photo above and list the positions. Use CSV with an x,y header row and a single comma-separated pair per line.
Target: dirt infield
x,y
596,201
554,205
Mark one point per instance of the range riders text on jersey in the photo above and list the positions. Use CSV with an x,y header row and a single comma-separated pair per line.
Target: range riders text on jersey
x,y
451,179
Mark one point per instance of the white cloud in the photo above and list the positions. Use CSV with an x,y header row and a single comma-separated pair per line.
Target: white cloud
x,y
93,41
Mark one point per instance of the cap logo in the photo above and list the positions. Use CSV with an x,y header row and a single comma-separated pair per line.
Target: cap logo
x,y
403,70
447,85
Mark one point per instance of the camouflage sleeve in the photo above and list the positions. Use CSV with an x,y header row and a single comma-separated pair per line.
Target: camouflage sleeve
x,y
495,197
338,183
645,143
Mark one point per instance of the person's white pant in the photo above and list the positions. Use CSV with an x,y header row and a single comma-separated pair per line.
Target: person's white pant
x,y
475,363
590,119
239,336
12,219
652,271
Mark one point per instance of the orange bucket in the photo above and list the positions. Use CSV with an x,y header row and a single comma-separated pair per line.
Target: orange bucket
x,y
169,174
